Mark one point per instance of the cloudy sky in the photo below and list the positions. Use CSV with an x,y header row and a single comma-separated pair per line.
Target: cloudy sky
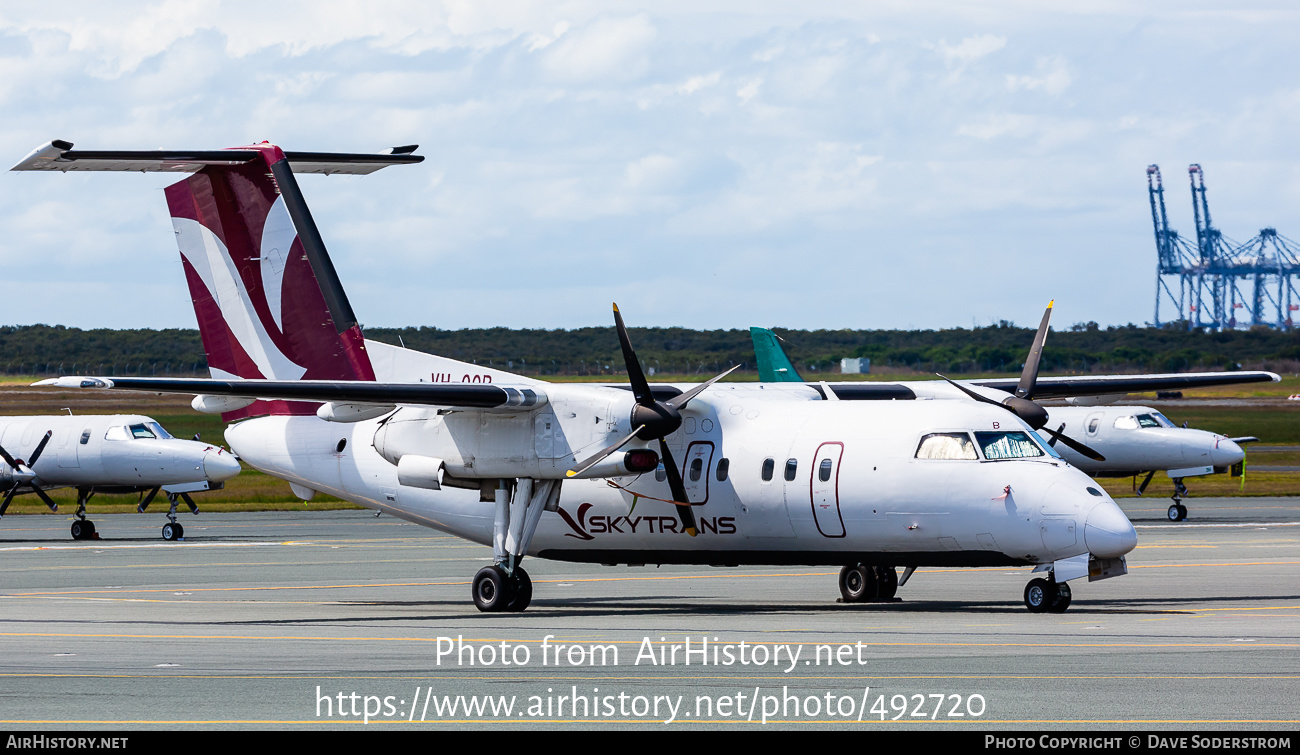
x,y
709,165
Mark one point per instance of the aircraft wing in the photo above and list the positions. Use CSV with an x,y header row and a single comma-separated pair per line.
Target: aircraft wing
x,y
60,156
450,395
1100,385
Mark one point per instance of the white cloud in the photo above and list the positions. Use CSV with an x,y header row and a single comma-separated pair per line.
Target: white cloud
x,y
1052,77
614,49
969,49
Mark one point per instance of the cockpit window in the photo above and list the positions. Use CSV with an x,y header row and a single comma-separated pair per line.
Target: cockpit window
x,y
117,432
1163,420
1015,445
946,446
1146,420
158,430
1126,423
140,431
1045,445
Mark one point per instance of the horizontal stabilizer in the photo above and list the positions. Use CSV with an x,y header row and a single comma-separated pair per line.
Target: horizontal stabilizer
x,y
60,156
450,395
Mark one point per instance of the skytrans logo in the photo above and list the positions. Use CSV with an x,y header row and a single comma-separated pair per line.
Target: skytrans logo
x,y
586,528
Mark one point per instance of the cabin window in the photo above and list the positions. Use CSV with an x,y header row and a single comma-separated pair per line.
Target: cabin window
x,y
117,432
697,469
85,436
824,470
660,474
769,466
1146,420
723,467
1093,423
140,431
791,467
997,446
946,446
1126,423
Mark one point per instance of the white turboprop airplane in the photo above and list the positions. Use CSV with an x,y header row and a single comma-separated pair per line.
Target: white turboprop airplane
x,y
768,474
1125,440
111,454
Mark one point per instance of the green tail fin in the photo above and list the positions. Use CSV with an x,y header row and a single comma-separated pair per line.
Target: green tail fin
x,y
773,365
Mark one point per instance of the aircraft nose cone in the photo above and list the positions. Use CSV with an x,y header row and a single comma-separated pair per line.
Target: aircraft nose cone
x,y
1226,453
1108,533
220,465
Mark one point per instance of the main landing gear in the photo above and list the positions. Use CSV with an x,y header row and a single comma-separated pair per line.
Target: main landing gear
x,y
495,590
860,583
83,528
1178,512
505,586
1047,595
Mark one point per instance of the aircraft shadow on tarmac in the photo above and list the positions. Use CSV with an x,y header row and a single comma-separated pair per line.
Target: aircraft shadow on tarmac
x,y
666,605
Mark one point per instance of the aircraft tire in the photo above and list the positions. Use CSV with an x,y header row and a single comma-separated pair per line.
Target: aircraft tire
x,y
887,579
180,531
523,591
1039,594
491,589
858,583
1062,600
78,530
1177,512
169,531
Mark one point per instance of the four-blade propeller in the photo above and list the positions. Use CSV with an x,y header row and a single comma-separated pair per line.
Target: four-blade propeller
x,y
653,420
1022,404
24,477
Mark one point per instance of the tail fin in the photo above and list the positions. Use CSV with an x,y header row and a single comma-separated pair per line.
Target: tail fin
x,y
268,300
773,365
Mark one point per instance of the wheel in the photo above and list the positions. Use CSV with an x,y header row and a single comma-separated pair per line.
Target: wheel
x,y
1177,512
169,531
78,530
887,579
89,530
1062,600
1039,594
179,530
523,591
491,589
858,583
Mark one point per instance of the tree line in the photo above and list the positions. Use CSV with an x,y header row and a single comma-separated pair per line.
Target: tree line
x,y
1086,347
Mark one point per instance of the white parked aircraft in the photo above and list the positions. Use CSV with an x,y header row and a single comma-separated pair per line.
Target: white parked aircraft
x,y
120,453
1125,440
767,474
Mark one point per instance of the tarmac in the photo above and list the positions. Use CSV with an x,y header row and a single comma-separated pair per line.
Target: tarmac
x,y
309,620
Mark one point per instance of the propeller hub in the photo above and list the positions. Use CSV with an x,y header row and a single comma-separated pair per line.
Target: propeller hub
x,y
1033,415
659,419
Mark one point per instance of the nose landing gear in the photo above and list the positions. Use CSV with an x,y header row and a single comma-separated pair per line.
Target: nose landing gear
x,y
83,528
1178,512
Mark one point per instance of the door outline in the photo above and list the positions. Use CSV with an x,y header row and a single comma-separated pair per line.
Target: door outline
x,y
705,473
838,459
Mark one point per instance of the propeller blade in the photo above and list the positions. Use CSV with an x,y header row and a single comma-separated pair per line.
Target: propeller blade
x,y
1074,444
40,447
11,461
678,487
640,388
600,455
48,501
9,496
975,395
144,504
1052,442
1143,487
1029,376
680,401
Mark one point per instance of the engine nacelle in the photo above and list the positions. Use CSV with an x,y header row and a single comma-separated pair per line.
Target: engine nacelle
x,y
333,411
421,471
220,404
